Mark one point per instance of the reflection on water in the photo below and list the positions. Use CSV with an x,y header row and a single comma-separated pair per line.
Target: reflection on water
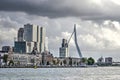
x,y
99,73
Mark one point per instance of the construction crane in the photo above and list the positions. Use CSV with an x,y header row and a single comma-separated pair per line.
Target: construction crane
x,y
75,38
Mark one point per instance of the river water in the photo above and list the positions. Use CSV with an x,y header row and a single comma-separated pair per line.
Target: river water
x,y
94,73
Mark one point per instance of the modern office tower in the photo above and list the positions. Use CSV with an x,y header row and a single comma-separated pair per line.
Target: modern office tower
x,y
20,34
31,32
34,38
42,39
64,49
38,34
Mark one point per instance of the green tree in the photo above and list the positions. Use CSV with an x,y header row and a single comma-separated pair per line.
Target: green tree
x,y
70,61
5,58
74,62
33,61
90,61
57,62
84,60
61,63
54,62
11,63
18,63
64,61
77,63
48,63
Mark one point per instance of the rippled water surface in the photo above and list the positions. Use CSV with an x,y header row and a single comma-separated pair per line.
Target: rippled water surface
x,y
99,73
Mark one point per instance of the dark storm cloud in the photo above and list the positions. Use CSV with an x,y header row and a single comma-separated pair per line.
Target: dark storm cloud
x,y
37,7
84,9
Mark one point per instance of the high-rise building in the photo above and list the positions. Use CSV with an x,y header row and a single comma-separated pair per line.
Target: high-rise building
x,y
20,34
63,51
33,38
64,43
31,32
42,39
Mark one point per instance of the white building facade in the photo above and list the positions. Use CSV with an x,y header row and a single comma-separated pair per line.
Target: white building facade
x,y
42,39
34,33
30,32
26,59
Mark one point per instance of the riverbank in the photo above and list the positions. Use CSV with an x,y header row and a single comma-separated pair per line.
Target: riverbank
x,y
88,66
46,66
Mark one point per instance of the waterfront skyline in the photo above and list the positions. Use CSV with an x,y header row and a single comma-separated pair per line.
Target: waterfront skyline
x,y
98,33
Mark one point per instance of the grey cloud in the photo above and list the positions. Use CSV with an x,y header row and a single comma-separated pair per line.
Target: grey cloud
x,y
8,29
64,8
37,7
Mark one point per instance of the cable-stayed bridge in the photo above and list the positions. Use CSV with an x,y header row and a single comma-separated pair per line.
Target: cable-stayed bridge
x,y
75,40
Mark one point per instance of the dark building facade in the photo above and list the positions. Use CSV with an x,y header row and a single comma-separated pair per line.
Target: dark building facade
x,y
20,47
63,50
6,48
20,34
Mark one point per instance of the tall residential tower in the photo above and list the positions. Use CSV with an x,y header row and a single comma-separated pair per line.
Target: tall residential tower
x,y
42,39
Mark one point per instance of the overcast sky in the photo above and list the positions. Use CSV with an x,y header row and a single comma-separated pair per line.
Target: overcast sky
x,y
98,32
